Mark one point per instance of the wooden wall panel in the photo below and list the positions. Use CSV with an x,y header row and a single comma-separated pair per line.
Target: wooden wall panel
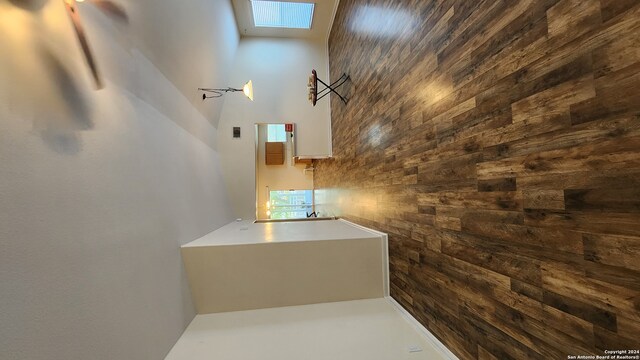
x,y
498,143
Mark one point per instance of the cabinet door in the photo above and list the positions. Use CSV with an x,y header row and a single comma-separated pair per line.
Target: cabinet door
x,y
274,153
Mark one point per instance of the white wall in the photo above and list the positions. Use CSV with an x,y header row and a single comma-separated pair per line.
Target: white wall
x,y
191,42
98,189
279,69
289,176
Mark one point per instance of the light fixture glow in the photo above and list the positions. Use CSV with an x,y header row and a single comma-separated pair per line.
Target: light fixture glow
x,y
247,89
281,14
382,22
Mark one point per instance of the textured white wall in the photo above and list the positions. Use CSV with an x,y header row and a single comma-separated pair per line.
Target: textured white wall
x,y
98,189
279,69
192,43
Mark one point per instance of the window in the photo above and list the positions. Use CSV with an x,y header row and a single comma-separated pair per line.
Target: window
x,y
291,204
276,133
279,14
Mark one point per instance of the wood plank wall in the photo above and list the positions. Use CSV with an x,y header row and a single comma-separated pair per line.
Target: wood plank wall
x,y
498,143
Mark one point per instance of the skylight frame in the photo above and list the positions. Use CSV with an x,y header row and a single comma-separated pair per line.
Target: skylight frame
x,y
281,14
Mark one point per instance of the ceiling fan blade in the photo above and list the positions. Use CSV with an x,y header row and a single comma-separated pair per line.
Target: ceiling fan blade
x,y
72,10
112,9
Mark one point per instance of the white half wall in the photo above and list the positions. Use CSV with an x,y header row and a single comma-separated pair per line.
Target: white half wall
x,y
279,69
99,189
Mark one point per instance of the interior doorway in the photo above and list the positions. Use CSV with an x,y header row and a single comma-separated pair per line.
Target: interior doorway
x,y
284,183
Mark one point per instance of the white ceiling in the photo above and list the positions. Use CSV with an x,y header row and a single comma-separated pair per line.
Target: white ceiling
x,y
320,26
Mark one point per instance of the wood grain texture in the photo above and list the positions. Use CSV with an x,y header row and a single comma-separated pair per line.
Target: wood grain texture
x,y
498,144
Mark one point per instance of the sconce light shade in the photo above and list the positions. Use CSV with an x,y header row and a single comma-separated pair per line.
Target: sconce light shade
x,y
247,89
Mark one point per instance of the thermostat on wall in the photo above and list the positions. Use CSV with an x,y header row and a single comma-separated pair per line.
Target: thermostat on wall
x,y
236,132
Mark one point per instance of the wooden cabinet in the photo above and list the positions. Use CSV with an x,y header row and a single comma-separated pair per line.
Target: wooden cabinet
x,y
274,153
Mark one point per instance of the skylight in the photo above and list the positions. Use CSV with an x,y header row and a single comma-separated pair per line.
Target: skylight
x,y
279,14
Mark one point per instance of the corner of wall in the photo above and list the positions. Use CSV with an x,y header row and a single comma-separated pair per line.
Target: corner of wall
x,y
327,38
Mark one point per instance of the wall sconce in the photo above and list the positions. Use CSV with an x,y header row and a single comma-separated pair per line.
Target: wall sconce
x,y
247,89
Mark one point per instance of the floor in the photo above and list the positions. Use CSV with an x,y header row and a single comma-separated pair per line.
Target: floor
x,y
498,144
353,330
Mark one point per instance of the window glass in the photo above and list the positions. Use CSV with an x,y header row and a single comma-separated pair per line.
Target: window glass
x,y
280,14
291,204
276,133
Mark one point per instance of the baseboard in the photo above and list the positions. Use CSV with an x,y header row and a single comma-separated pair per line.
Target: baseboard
x,y
446,353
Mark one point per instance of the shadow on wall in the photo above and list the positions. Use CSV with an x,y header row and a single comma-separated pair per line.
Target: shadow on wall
x,y
59,132
31,5
45,88
108,7
59,104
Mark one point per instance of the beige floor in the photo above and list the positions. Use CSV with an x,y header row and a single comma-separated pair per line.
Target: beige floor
x,y
352,330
